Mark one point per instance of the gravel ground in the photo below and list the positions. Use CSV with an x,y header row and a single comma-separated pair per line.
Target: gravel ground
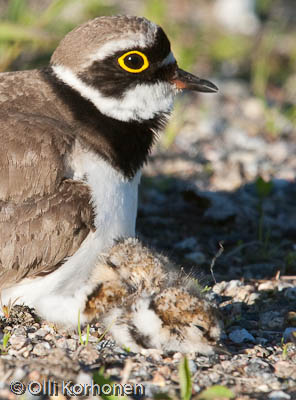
x,y
257,315
202,204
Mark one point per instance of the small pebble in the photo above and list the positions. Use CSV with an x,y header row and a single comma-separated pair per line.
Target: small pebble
x,y
177,356
279,395
272,320
192,366
61,343
83,378
290,335
88,354
17,342
241,335
268,286
71,344
291,318
20,331
158,379
41,349
290,293
41,333
19,374
263,388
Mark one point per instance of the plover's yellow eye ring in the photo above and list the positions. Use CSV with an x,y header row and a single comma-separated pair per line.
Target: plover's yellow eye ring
x,y
133,61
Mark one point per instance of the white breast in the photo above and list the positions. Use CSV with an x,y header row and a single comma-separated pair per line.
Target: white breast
x,y
114,198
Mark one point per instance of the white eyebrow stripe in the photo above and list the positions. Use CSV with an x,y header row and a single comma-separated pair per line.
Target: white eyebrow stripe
x,y
120,45
117,45
113,46
170,59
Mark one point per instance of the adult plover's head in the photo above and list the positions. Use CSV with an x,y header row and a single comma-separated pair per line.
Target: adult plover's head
x,y
124,66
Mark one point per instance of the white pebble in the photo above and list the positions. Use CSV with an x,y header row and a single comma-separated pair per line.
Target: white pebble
x,y
278,395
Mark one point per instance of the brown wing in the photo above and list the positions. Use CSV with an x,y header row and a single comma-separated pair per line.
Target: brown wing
x,y
43,216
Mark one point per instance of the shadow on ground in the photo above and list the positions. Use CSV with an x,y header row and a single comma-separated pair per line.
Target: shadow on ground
x,y
255,224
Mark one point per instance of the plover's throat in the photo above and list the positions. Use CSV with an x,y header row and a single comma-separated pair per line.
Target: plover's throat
x,y
142,102
123,144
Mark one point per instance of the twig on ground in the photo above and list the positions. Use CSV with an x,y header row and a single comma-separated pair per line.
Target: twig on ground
x,y
217,255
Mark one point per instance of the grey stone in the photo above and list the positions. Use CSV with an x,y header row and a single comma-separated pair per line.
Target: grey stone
x,y
290,293
71,344
241,335
257,367
41,333
278,395
192,366
288,334
20,331
17,342
272,320
41,349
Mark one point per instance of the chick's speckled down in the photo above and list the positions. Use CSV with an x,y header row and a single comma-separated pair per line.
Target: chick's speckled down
x,y
149,303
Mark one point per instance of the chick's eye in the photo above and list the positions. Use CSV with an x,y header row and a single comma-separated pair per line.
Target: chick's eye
x,y
133,61
201,328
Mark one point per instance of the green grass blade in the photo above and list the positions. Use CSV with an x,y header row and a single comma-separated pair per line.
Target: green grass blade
x,y
99,379
16,10
216,392
185,380
6,338
263,188
79,329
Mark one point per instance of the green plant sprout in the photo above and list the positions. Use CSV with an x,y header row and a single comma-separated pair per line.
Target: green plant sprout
x,y
5,340
82,342
216,392
6,309
106,331
101,380
185,379
263,189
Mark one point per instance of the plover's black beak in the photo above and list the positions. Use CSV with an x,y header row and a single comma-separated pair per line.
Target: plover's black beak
x,y
185,80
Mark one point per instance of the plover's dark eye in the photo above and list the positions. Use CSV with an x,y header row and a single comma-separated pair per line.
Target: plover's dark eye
x,y
133,61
